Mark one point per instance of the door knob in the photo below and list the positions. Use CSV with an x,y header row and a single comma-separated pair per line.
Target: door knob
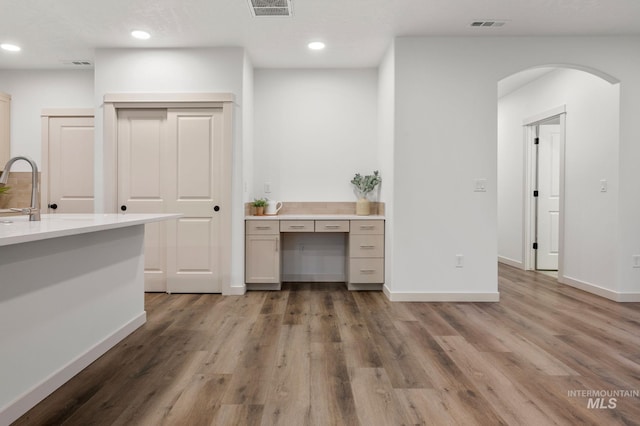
x,y
216,208
53,206
123,208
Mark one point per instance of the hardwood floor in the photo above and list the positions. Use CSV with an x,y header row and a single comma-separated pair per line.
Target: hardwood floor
x,y
316,354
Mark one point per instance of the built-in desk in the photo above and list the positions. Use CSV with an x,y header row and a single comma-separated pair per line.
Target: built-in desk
x,y
364,268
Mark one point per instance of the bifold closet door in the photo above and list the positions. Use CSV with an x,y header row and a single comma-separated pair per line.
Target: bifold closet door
x,y
142,183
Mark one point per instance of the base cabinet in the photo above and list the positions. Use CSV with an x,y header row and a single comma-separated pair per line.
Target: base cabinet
x,y
262,253
366,255
364,262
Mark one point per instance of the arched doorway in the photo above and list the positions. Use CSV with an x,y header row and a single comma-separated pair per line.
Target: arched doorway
x,y
587,161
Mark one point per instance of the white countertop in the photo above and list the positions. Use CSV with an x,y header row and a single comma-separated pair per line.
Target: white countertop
x,y
315,217
18,229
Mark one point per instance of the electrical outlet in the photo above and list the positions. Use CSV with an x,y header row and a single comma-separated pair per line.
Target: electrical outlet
x,y
603,185
459,262
636,260
480,185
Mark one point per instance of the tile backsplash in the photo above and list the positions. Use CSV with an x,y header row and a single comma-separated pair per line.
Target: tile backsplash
x,y
20,193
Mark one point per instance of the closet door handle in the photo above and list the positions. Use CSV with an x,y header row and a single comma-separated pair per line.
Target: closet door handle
x,y
123,208
53,206
216,208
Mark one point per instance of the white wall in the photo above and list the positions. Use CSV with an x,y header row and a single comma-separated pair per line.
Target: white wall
x,y
31,92
445,136
216,70
386,123
247,128
314,129
592,136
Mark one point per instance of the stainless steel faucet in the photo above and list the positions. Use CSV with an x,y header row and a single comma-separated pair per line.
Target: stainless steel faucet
x,y
34,210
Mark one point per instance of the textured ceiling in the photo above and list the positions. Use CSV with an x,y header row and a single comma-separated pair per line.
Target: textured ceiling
x,y
357,32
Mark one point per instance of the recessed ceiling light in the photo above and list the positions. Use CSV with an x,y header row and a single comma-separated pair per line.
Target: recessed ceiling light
x,y
316,45
140,35
10,47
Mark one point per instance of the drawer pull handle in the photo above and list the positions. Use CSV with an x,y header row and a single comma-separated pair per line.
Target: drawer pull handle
x,y
367,271
367,247
296,226
263,227
366,227
332,226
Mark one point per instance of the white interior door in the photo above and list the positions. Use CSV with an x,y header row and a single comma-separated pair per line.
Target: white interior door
x,y
548,213
195,165
70,165
142,183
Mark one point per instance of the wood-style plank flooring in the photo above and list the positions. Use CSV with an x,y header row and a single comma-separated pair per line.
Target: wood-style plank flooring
x,y
316,354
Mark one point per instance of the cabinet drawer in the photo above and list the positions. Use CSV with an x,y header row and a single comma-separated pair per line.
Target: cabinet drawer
x,y
253,227
367,226
366,270
366,246
332,226
296,226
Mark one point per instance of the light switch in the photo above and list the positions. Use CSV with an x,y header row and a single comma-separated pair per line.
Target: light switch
x,y
603,185
480,185
459,261
636,260
267,187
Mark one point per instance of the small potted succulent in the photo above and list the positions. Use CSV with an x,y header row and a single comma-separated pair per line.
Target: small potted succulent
x,y
259,204
363,186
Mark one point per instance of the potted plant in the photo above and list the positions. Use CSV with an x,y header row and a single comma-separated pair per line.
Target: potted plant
x,y
259,205
364,185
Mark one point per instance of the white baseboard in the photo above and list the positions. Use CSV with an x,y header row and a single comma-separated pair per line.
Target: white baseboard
x,y
401,296
600,291
236,291
29,399
511,262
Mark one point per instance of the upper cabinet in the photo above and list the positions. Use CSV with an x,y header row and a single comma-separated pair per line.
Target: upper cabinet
x,y
5,120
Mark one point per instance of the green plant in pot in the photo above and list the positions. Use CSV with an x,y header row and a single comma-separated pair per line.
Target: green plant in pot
x,y
259,204
4,189
363,186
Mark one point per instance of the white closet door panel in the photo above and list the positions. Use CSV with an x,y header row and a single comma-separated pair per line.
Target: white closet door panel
x,y
194,168
71,147
141,183
145,139
196,162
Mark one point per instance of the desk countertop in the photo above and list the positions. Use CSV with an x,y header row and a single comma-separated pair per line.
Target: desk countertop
x,y
314,217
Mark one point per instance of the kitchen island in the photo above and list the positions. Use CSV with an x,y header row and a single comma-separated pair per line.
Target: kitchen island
x,y
71,287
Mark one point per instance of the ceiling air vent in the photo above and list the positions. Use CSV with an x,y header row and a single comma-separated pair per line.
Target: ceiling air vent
x,y
492,23
270,8
77,62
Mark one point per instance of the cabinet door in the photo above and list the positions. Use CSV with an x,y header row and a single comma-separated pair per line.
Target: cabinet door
x,y
262,260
